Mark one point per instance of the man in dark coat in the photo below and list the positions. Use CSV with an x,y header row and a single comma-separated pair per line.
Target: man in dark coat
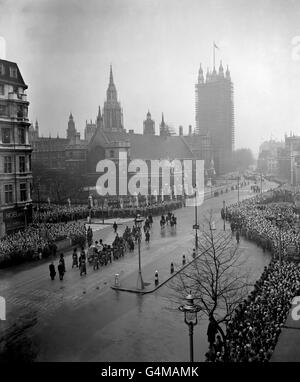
x,y
237,236
212,331
60,269
115,227
52,271
62,261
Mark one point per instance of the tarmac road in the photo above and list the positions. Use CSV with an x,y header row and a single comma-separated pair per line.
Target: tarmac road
x,y
83,319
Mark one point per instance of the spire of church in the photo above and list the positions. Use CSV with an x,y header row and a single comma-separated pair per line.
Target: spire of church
x,y
112,114
111,92
99,112
111,78
99,119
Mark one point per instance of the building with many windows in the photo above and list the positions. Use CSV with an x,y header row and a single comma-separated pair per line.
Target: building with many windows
x,y
15,151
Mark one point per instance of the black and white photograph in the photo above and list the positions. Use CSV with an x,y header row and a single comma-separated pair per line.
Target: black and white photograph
x,y
149,184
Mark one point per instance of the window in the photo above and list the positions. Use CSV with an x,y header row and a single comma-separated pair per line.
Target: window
x,y
8,191
20,113
13,72
29,162
22,164
112,153
23,192
6,135
8,165
2,69
21,135
1,89
3,110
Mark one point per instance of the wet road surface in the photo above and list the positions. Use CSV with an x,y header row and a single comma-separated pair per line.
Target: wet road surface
x,y
83,319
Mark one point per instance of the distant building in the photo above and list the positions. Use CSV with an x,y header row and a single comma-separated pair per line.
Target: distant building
x,y
106,138
215,114
111,139
15,153
289,159
149,125
61,153
268,161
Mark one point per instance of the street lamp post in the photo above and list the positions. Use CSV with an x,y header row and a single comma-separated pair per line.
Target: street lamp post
x,y
238,184
38,209
25,214
224,210
138,222
196,226
279,225
90,208
102,209
190,311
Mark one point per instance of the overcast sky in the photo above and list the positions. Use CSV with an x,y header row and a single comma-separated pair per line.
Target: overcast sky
x,y
64,49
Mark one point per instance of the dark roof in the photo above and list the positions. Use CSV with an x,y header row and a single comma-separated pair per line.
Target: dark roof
x,y
6,76
145,146
157,147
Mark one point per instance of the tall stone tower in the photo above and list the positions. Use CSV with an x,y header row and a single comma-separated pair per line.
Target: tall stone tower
x,y
112,111
215,114
71,131
149,125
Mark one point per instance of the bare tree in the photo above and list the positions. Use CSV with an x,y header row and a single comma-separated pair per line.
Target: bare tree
x,y
217,278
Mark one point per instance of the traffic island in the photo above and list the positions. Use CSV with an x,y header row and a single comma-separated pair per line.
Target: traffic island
x,y
160,278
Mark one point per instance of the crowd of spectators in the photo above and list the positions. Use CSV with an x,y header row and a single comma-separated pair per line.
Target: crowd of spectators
x,y
252,334
54,213
38,241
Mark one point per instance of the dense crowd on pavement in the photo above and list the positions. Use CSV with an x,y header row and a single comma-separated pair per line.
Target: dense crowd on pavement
x,y
58,222
267,224
55,213
252,334
38,241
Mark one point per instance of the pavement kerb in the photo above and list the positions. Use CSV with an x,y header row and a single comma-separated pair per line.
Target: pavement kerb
x,y
132,290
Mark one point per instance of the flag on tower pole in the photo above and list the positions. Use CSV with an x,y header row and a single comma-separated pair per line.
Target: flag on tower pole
x,y
214,48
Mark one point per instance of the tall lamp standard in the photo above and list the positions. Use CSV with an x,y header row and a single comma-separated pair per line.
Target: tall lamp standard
x,y
90,208
196,226
138,222
25,214
190,311
224,210
279,222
